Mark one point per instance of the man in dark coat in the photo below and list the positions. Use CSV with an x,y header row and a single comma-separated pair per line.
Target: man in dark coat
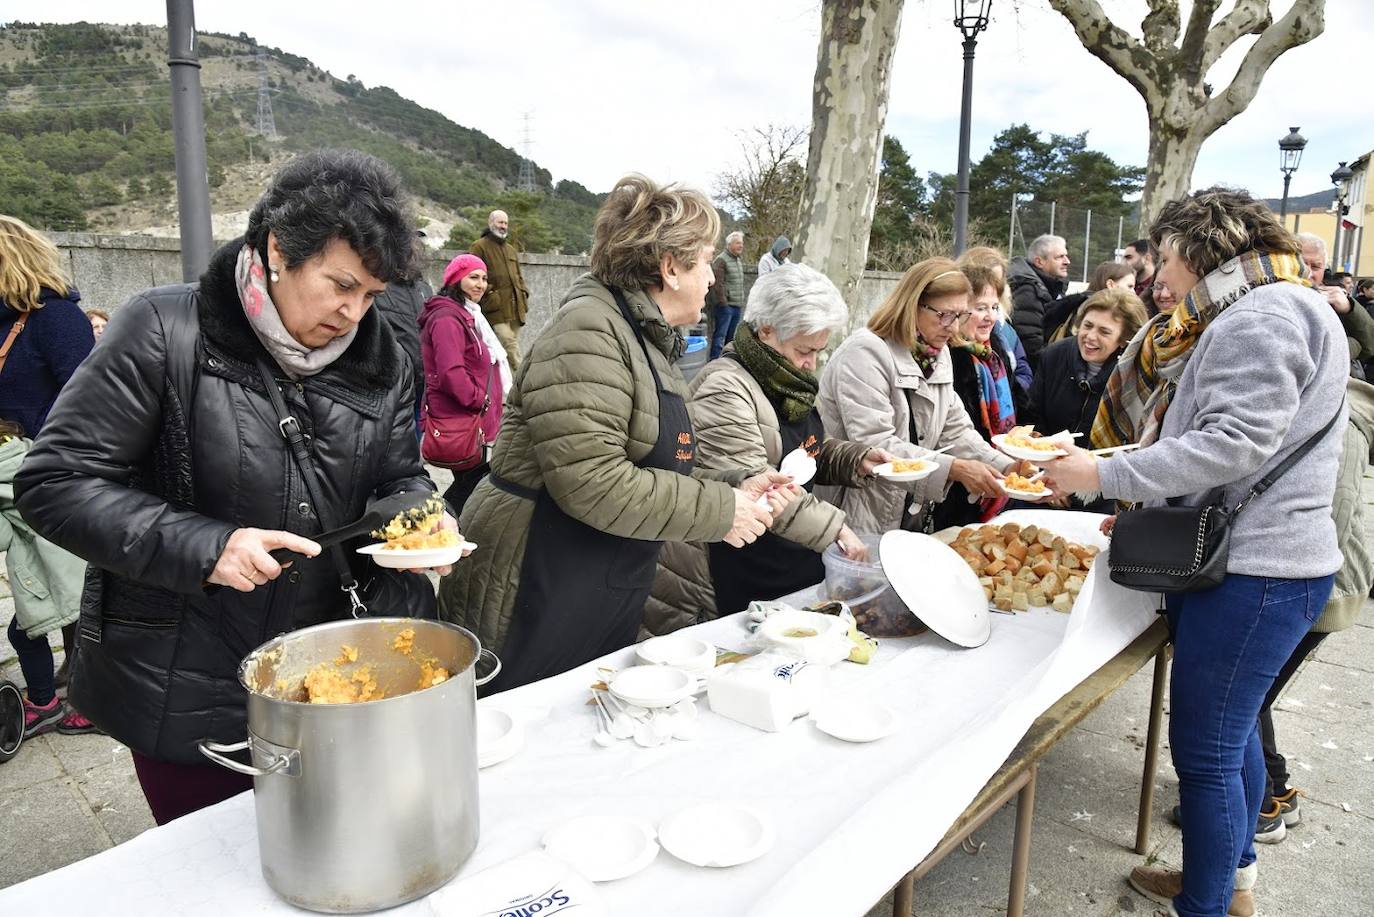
x,y
507,298
1038,281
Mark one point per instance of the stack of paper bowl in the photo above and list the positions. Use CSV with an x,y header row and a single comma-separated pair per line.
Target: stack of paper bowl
x,y
679,651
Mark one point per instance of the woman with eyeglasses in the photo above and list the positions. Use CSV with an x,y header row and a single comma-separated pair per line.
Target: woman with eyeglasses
x,y
984,382
891,386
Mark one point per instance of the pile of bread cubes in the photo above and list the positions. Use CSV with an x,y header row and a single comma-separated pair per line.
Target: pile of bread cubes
x,y
1021,567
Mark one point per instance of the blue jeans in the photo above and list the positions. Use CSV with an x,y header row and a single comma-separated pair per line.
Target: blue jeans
x,y
727,320
35,661
1229,645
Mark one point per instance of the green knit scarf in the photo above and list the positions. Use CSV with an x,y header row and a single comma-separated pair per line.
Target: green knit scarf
x,y
792,389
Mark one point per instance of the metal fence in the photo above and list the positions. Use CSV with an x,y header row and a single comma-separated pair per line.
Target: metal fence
x,y
1091,237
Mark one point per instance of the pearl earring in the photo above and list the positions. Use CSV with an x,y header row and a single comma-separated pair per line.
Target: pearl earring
x,y
274,275
673,284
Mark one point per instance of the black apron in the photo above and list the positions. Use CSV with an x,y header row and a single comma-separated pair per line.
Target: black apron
x,y
582,591
772,566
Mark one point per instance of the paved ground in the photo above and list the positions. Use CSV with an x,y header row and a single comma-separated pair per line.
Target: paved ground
x,y
66,797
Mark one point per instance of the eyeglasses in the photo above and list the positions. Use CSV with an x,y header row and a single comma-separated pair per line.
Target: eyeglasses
x,y
984,311
947,319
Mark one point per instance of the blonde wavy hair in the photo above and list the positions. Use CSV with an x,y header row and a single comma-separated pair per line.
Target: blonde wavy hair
x,y
1210,227
28,263
895,319
641,222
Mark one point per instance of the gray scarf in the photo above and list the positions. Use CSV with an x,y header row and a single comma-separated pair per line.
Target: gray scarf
x,y
297,360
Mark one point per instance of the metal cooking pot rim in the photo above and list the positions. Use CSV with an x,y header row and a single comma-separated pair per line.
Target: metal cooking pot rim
x,y
344,622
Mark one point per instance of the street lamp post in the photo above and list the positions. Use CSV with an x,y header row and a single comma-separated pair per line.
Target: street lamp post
x,y
970,18
1341,179
1290,154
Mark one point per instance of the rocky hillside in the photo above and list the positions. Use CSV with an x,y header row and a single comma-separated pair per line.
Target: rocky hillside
x,y
86,142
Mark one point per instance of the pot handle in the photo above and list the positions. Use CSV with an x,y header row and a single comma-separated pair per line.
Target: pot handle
x,y
280,762
494,672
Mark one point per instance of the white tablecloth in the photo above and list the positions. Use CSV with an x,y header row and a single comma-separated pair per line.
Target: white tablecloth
x,y
850,819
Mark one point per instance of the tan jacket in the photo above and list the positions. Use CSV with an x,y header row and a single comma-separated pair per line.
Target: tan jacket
x,y
507,297
870,390
1348,511
737,427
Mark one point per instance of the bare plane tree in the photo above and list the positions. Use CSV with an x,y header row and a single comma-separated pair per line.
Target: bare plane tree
x,y
767,187
848,106
1171,76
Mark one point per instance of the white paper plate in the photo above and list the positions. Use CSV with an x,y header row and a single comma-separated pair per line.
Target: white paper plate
x,y
716,834
902,477
679,651
937,586
499,736
413,559
1030,496
603,848
829,645
799,465
1028,455
655,685
856,721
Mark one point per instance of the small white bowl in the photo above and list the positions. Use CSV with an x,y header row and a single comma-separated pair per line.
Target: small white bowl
x,y
499,736
653,685
603,848
857,721
716,835
828,645
679,651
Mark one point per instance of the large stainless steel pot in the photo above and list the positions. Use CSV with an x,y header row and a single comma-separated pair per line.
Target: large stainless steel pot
x,y
362,806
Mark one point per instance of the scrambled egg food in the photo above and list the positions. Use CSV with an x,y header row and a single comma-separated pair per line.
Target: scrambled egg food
x,y
418,528
1027,438
907,466
341,681
1024,485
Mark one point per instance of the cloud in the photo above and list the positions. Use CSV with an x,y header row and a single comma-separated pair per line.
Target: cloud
x,y
665,87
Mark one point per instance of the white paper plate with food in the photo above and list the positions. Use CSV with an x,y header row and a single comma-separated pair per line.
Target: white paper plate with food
x,y
1025,444
603,848
415,558
1030,490
716,835
904,471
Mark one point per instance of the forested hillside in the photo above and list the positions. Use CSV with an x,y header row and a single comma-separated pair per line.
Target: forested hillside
x,y
86,141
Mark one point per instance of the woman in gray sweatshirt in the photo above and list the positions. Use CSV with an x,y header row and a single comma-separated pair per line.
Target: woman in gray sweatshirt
x,y
1249,367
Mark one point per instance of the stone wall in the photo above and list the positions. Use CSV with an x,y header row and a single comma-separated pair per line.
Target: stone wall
x,y
109,269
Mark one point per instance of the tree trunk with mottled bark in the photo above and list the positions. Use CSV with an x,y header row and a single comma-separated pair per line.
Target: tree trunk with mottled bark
x,y
848,108
1171,74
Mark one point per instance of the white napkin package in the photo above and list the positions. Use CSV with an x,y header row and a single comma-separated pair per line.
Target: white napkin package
x,y
767,691
535,883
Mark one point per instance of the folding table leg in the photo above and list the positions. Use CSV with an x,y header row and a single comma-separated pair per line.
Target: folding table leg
x,y
902,895
1147,780
1020,852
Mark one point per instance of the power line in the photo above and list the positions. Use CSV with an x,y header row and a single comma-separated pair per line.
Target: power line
x,y
267,124
526,181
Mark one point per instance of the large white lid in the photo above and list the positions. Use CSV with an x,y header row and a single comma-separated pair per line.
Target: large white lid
x,y
937,586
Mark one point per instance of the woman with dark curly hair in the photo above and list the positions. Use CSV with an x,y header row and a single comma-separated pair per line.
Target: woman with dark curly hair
x,y
163,464
1248,368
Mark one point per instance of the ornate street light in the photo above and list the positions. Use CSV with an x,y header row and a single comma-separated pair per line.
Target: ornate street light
x,y
1341,179
1290,154
970,18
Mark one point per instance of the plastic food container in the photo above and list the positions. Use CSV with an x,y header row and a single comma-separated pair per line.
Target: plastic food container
x,y
864,587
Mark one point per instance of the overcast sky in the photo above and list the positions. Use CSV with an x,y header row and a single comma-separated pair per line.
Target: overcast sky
x,y
666,87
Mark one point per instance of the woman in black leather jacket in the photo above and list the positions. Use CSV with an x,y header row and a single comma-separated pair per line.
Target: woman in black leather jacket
x,y
162,464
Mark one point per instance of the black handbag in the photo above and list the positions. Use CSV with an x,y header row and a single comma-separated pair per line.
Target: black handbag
x,y
390,592
1174,549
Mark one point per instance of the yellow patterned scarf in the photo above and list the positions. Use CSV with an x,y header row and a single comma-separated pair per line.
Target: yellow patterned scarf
x,y
1147,374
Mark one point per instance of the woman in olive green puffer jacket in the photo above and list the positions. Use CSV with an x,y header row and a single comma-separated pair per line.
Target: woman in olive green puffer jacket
x,y
593,467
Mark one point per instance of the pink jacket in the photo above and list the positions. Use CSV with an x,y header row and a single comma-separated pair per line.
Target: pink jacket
x,y
457,365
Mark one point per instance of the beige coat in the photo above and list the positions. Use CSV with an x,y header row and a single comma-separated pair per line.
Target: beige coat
x,y
737,427
870,390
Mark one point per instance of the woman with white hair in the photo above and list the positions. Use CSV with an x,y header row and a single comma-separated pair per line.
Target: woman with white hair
x,y
750,408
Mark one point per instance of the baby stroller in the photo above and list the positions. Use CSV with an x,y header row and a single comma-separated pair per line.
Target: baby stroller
x,y
11,720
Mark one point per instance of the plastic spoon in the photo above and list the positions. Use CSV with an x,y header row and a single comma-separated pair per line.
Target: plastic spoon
x,y
603,736
621,726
